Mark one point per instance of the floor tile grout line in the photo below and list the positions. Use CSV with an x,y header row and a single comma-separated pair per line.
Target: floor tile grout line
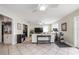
x,y
8,50
19,50
57,50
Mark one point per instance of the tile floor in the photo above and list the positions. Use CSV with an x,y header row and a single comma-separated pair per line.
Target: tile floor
x,y
27,48
34,49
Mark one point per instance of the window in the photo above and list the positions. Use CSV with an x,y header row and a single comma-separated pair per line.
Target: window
x,y
45,28
54,26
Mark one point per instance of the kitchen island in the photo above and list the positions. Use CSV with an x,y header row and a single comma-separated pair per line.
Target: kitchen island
x,y
43,37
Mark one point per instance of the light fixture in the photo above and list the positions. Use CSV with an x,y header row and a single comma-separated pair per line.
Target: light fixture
x,y
42,7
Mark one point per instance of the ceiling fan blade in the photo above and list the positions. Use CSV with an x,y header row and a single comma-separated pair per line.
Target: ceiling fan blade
x,y
35,9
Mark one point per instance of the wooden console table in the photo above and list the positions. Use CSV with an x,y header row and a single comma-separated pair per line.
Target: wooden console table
x,y
49,36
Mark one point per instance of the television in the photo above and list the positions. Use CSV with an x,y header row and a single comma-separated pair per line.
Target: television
x,y
38,30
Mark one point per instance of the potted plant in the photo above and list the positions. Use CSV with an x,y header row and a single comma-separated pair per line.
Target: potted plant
x,y
31,32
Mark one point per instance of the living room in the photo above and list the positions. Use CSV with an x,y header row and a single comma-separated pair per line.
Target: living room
x,y
53,25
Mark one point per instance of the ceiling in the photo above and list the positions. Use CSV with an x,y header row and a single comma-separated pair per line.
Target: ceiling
x,y
32,14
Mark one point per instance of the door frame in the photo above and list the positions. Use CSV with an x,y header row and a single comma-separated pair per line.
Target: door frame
x,y
2,34
75,31
27,28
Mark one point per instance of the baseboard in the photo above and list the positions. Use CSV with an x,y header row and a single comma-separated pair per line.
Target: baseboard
x,y
36,42
33,42
69,43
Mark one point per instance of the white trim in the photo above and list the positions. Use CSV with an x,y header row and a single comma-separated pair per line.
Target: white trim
x,y
75,31
69,43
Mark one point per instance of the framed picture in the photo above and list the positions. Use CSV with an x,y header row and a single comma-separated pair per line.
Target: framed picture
x,y
64,27
18,26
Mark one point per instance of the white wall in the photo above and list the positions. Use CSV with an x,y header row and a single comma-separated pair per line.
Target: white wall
x,y
32,26
69,34
15,30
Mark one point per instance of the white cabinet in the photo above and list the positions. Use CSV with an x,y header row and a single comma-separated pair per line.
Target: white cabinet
x,y
53,37
34,37
7,38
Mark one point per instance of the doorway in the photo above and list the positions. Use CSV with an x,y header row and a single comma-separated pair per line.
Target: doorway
x,y
2,32
25,30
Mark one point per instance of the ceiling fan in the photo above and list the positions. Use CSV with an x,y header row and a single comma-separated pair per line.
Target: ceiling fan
x,y
43,7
